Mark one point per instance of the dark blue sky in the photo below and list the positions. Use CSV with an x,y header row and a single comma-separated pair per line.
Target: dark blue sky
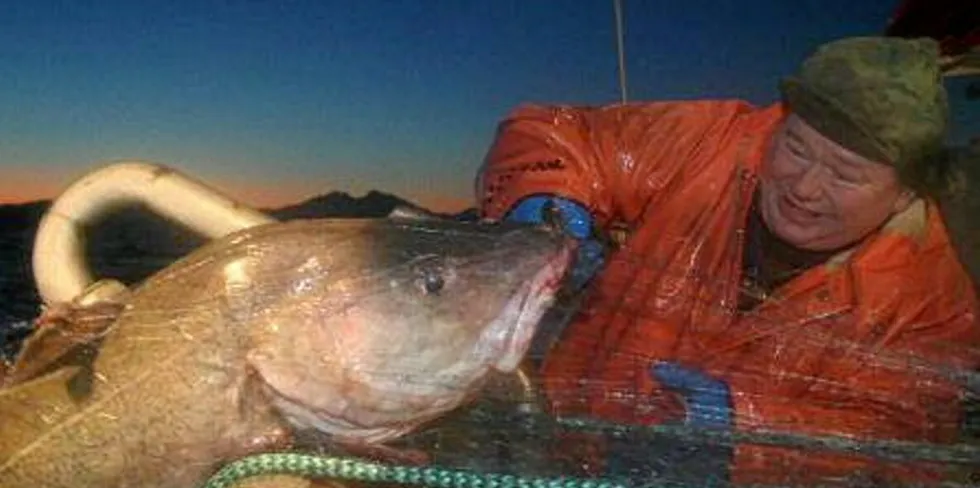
x,y
279,100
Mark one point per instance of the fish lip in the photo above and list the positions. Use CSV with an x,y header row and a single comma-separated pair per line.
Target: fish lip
x,y
558,265
527,306
549,277
302,415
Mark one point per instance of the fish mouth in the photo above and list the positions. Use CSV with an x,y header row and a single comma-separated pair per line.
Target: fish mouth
x,y
552,277
516,325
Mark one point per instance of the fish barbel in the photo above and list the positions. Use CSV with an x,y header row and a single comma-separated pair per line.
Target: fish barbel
x,y
359,329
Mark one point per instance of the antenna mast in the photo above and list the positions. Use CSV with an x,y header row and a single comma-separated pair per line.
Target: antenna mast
x,y
618,10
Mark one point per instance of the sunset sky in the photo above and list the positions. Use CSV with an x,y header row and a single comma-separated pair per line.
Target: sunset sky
x,y
275,102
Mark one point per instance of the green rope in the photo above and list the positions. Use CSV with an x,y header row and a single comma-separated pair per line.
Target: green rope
x,y
316,466
313,466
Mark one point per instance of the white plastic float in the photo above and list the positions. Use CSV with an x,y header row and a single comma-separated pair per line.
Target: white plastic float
x,y
60,269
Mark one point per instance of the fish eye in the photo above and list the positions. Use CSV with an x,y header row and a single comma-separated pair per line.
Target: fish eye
x,y
432,282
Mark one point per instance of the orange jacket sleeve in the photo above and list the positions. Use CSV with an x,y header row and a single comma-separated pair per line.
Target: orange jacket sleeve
x,y
614,160
543,150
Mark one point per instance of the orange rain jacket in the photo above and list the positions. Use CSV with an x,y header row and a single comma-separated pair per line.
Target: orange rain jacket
x,y
861,345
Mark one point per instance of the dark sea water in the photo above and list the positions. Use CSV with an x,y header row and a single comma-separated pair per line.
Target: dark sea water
x,y
127,246
18,297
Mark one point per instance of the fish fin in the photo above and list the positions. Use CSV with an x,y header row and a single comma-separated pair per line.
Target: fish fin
x,y
80,386
64,335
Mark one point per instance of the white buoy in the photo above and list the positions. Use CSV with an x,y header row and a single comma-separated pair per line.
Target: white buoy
x,y
61,272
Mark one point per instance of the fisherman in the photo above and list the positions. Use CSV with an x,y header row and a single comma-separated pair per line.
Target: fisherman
x,y
784,268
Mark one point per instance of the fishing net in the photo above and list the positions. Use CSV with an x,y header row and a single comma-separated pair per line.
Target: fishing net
x,y
508,432
508,436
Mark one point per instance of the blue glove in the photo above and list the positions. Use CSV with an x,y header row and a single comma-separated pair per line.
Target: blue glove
x,y
645,457
576,220
709,401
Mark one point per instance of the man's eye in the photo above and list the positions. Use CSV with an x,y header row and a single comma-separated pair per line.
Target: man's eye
x,y
797,150
848,179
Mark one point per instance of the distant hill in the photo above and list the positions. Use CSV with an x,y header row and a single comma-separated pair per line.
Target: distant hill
x,y
373,204
23,213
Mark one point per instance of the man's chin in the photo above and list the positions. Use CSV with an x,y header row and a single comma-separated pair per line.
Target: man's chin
x,y
800,236
803,240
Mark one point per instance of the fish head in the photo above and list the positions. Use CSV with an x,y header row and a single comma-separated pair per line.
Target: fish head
x,y
402,319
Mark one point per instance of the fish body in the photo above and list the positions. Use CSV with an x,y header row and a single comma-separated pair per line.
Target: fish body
x,y
359,329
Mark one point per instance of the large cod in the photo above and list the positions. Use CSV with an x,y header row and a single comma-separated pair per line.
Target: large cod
x,y
359,329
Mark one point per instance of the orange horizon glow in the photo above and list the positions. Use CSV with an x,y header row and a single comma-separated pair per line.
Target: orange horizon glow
x,y
22,185
19,185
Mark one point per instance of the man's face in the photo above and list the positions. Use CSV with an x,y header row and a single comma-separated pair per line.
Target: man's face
x,y
819,196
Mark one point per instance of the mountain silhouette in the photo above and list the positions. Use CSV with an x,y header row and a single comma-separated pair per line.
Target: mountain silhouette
x,y
338,204
22,217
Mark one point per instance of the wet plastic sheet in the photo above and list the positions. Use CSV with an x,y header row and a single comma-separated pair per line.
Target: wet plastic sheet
x,y
509,431
492,437
506,433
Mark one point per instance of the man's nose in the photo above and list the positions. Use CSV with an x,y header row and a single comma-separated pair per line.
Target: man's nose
x,y
809,184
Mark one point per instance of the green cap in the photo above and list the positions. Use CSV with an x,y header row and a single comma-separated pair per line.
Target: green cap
x,y
881,97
